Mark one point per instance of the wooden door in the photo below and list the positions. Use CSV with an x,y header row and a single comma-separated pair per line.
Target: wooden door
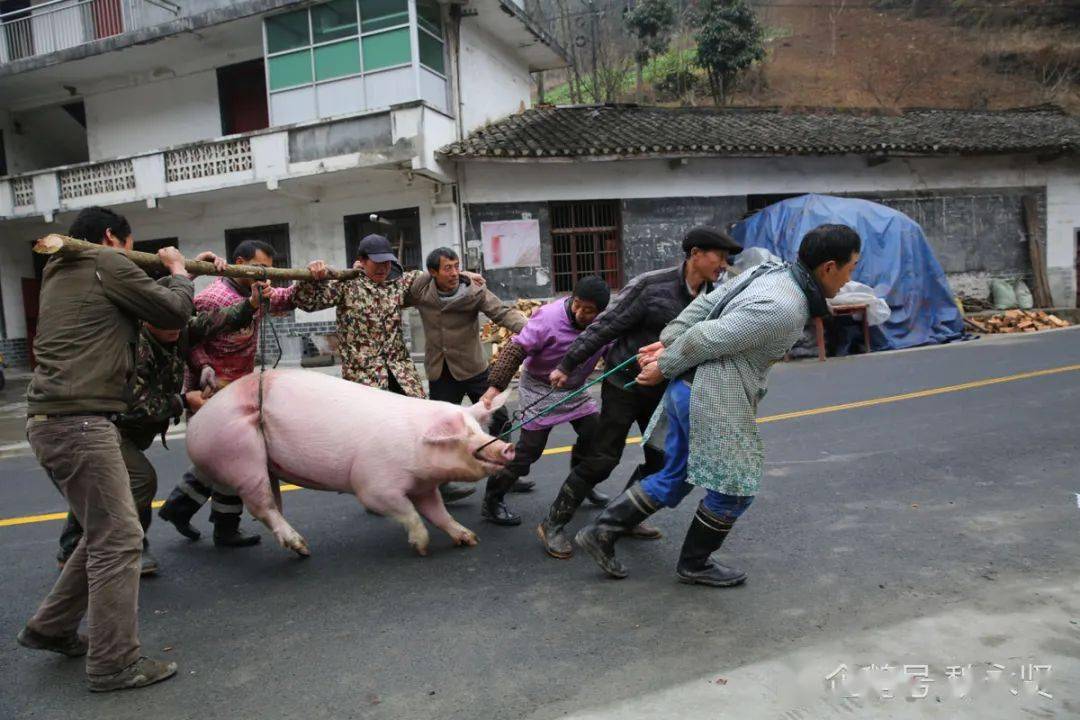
x,y
242,97
108,18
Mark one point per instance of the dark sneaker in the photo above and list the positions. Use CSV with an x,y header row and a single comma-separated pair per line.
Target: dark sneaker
x,y
522,485
72,645
144,671
149,564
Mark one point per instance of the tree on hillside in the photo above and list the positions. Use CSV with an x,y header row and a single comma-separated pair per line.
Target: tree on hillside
x,y
650,22
729,41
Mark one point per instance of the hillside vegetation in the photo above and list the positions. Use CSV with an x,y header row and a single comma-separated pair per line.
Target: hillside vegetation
x,y
881,54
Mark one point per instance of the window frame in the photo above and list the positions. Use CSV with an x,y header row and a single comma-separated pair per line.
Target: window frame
x,y
358,36
573,209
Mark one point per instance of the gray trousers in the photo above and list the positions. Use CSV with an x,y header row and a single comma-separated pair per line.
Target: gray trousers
x,y
82,456
143,479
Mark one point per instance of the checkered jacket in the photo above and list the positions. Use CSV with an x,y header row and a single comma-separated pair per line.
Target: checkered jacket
x,y
730,358
232,354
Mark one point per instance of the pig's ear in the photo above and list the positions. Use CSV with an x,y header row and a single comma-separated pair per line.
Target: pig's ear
x,y
482,413
447,427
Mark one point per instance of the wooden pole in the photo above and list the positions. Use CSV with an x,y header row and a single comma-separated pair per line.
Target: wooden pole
x,y
1041,286
52,244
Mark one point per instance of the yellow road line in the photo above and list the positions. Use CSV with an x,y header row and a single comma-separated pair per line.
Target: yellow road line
x,y
881,400
6,522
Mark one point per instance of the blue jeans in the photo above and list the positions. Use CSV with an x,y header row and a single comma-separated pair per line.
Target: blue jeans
x,y
668,487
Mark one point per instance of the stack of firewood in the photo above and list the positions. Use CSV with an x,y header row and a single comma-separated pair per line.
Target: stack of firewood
x,y
498,336
1016,321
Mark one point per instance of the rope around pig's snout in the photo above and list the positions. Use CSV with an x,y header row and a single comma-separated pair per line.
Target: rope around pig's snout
x,y
520,414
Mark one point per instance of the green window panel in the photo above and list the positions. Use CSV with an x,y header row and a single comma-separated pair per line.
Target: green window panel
x,y
431,53
288,31
338,59
334,20
430,17
289,70
381,14
386,49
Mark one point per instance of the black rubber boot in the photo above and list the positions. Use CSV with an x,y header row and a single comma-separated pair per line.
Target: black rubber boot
x,y
572,493
618,519
597,498
178,509
227,531
641,531
494,508
705,536
454,491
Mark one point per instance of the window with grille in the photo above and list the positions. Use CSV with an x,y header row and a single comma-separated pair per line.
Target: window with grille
x,y
586,239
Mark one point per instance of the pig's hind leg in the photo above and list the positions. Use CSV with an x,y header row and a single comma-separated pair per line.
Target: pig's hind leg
x,y
397,506
430,504
246,470
259,499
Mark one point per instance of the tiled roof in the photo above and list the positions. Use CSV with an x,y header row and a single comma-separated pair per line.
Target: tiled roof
x,y
613,131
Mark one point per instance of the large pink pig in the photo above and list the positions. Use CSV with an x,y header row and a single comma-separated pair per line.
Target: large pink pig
x,y
392,452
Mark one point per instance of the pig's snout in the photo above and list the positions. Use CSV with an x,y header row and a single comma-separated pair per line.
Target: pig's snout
x,y
495,452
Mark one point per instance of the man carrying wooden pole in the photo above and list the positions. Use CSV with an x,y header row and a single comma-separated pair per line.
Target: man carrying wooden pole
x,y
91,304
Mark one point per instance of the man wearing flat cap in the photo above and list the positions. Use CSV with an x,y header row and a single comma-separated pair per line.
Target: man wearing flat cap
x,y
633,320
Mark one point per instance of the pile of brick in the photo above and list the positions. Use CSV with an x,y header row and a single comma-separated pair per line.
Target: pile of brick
x,y
1016,321
498,336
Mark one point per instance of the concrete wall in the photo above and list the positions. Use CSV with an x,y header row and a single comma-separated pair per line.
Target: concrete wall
x,y
991,178
42,138
494,82
16,263
160,114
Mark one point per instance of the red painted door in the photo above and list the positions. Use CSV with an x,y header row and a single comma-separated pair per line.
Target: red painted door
x,y
108,18
242,97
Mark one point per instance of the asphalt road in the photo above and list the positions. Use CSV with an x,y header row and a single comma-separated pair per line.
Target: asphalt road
x,y
934,530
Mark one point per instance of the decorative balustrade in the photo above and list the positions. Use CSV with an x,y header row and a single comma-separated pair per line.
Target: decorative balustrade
x,y
22,191
97,179
207,160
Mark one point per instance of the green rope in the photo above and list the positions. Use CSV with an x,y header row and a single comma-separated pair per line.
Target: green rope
x,y
569,397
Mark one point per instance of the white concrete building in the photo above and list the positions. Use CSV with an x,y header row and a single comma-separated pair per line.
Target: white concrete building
x,y
206,123
614,188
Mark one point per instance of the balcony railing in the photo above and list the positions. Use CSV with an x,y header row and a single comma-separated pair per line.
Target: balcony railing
x,y
403,137
60,24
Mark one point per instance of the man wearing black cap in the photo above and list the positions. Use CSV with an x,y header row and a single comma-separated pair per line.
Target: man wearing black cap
x,y
633,320
373,350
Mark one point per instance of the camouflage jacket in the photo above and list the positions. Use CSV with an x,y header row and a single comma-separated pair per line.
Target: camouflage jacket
x,y
159,375
369,327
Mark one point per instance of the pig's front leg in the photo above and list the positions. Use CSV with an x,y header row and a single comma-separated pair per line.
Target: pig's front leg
x,y
430,504
397,506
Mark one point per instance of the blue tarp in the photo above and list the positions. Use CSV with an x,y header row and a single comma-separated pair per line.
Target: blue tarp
x,y
896,261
